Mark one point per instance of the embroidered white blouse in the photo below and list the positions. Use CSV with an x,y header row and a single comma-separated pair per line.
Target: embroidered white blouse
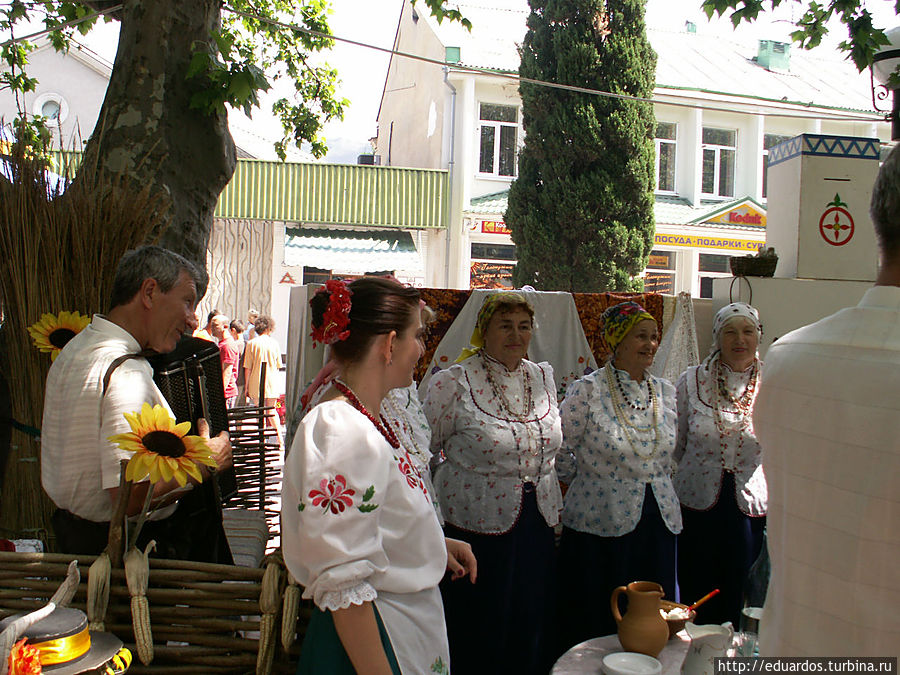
x,y
703,453
403,411
607,467
488,453
358,525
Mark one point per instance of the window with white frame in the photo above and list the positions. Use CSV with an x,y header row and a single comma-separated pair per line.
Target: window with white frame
x,y
498,135
665,156
719,147
711,266
769,141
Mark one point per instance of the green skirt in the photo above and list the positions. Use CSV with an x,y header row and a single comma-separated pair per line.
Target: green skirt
x,y
322,652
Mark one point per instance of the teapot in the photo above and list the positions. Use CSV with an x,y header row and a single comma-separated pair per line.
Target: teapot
x,y
707,643
643,628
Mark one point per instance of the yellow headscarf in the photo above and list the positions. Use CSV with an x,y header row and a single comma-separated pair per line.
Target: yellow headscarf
x,y
490,305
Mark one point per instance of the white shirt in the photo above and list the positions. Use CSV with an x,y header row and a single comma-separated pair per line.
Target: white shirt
x,y
828,418
78,463
489,454
607,467
358,526
403,411
703,452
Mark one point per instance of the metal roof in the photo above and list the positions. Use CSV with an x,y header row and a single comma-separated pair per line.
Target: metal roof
x,y
346,194
668,209
352,251
688,61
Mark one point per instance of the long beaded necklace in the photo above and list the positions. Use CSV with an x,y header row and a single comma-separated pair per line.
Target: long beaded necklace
x,y
381,425
522,417
742,405
622,418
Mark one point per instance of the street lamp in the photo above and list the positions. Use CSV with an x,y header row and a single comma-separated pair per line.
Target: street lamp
x,y
884,64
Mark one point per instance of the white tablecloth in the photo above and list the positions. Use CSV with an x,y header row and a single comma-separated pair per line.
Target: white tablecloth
x,y
587,657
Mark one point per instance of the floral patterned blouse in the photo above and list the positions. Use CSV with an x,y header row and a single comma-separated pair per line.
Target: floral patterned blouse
x,y
703,453
608,466
489,454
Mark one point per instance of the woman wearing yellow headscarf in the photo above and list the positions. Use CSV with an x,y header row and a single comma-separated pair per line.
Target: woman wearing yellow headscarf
x,y
621,514
494,419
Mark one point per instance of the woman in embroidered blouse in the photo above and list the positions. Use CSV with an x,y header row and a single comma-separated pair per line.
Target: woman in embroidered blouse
x,y
359,530
720,480
494,420
621,514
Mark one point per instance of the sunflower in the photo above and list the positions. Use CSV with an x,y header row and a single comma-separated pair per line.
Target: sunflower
x,y
52,332
162,448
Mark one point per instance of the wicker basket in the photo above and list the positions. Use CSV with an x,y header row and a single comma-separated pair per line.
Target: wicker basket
x,y
753,266
205,617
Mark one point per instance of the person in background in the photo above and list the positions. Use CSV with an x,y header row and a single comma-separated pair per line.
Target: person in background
x,y
228,353
828,419
236,328
263,349
359,532
250,332
206,331
720,481
494,419
621,514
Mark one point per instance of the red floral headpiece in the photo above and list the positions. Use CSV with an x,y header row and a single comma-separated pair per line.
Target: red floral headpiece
x,y
337,315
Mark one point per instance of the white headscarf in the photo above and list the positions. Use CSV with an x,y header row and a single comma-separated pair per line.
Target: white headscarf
x,y
736,310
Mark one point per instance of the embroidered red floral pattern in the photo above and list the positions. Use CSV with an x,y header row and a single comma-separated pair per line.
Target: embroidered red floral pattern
x,y
411,473
333,495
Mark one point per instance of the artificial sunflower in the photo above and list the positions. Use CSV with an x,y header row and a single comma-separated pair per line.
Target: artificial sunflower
x,y
53,332
162,448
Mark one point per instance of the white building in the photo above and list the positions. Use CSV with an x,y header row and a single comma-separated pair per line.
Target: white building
x,y
719,106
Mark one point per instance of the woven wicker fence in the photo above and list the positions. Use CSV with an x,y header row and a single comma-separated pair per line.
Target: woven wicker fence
x,y
205,618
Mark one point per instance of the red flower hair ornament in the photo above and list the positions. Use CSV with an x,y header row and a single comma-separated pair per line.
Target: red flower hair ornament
x,y
337,315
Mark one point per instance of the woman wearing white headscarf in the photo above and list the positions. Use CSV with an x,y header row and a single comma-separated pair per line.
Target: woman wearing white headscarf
x,y
720,481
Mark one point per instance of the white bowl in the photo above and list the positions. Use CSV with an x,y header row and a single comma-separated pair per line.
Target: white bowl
x,y
630,663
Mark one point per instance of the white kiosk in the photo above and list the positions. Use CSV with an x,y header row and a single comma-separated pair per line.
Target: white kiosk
x,y
818,223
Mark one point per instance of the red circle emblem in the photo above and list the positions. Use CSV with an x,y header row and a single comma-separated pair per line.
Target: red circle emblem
x,y
836,226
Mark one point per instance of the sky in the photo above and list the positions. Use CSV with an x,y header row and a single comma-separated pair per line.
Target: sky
x,y
362,71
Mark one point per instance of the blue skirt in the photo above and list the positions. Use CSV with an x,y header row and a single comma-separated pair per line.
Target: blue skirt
x,y
502,623
591,567
715,550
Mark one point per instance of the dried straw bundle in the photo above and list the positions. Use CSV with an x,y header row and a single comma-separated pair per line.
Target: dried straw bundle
x,y
59,252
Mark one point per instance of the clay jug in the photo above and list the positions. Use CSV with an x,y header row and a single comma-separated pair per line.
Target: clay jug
x,y
643,628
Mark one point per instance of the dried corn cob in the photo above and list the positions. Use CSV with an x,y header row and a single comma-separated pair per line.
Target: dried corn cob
x,y
137,574
98,591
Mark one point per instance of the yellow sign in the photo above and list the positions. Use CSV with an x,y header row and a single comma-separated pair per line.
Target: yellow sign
x,y
707,242
742,215
494,227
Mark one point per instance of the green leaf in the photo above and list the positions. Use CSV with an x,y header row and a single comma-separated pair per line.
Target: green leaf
x,y
301,506
369,493
367,508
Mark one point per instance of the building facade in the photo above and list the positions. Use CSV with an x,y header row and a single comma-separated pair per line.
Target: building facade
x,y
720,106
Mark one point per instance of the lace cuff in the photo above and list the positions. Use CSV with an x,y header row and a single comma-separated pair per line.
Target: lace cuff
x,y
343,598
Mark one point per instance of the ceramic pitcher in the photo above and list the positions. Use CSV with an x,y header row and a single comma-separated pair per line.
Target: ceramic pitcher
x,y
707,643
643,628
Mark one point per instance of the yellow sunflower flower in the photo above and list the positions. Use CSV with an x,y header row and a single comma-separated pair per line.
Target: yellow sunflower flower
x,y
162,449
52,332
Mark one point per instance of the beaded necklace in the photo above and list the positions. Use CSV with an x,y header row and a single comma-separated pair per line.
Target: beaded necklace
x,y
382,426
624,394
521,417
622,418
743,405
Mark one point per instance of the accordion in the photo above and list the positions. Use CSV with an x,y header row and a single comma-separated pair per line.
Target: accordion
x,y
190,378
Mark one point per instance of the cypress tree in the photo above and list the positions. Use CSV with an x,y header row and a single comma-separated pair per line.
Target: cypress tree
x,y
581,209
